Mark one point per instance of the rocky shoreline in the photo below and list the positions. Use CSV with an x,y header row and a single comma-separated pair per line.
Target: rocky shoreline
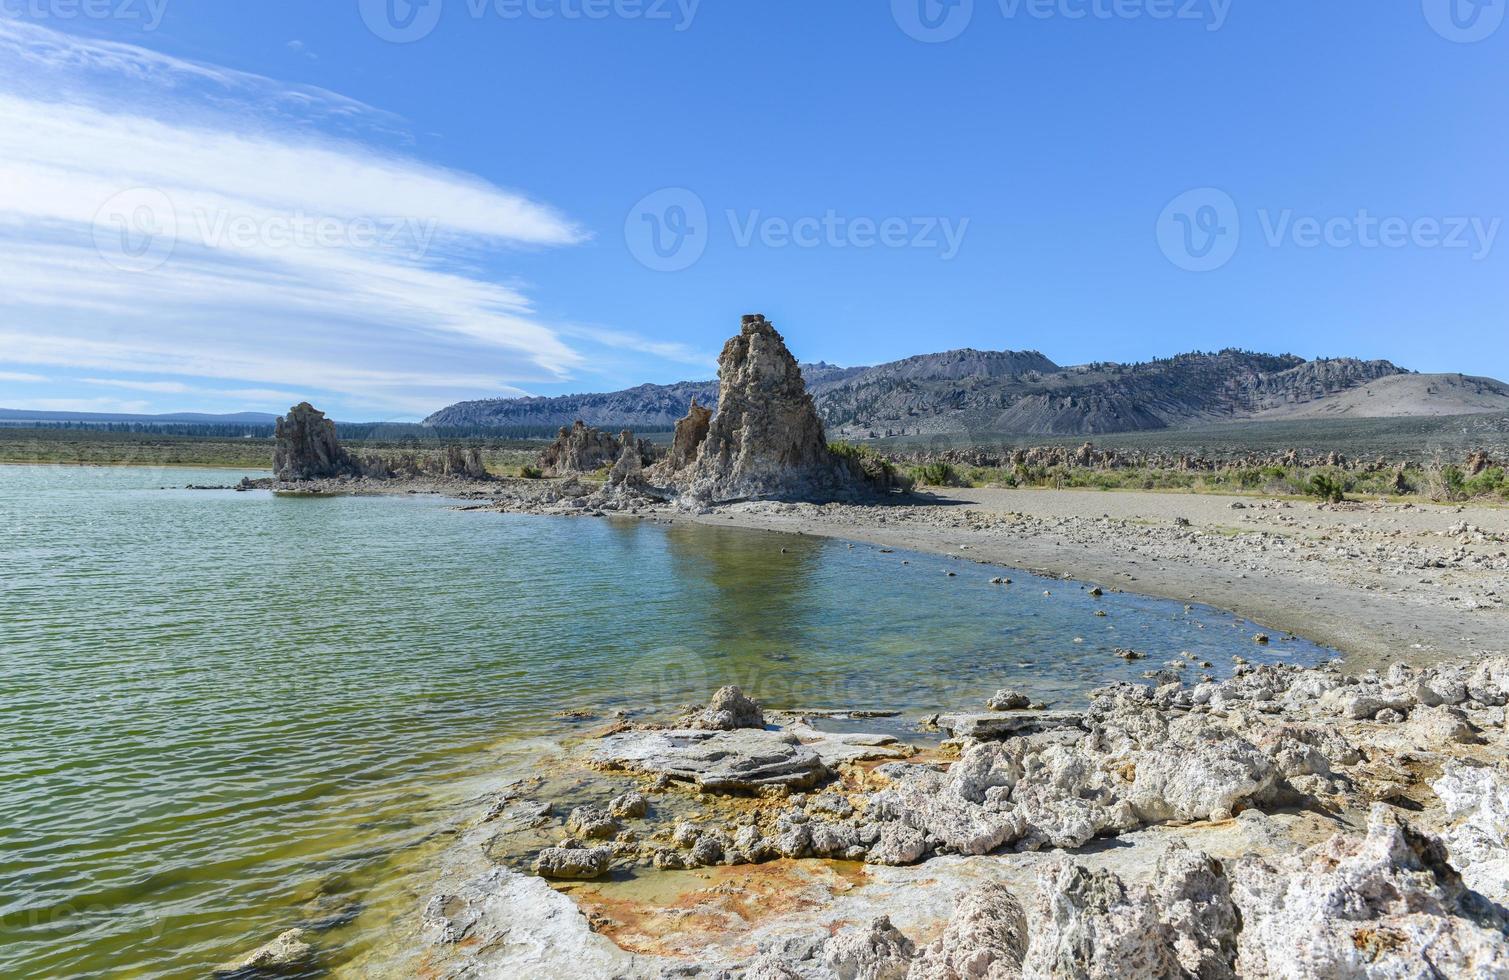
x,y
1286,822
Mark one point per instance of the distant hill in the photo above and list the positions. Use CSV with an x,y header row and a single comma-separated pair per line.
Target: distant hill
x,y
186,418
1403,396
1023,392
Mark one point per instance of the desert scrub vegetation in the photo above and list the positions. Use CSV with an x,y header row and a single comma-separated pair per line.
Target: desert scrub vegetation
x,y
1451,483
876,468
1445,483
1327,488
936,475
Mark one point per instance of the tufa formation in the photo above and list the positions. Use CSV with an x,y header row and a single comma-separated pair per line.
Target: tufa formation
x,y
306,447
766,442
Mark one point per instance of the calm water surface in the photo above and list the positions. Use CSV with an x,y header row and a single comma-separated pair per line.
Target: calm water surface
x,y
225,714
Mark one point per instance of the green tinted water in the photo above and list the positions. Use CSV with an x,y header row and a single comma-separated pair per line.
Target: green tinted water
x,y
223,714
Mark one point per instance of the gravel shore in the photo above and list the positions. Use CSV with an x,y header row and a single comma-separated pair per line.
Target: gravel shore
x,y
1382,582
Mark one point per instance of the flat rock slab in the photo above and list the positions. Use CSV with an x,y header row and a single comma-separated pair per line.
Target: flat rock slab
x,y
741,760
840,748
1005,724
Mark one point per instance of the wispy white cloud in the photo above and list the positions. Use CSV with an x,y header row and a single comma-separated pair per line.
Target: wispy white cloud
x,y
163,387
141,233
111,405
21,377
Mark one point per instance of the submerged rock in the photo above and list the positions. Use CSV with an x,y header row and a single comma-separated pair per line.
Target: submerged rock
x,y
284,953
306,447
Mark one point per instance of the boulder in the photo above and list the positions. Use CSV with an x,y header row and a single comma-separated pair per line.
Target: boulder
x,y
306,448
877,951
627,806
989,726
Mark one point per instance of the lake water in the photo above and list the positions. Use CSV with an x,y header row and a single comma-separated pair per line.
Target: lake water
x,y
225,714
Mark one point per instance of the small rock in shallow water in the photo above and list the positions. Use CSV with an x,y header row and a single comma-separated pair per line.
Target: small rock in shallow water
x,y
573,863
590,822
730,710
629,805
1007,700
288,950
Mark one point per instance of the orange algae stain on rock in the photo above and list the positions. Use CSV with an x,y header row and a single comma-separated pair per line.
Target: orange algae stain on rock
x,y
677,913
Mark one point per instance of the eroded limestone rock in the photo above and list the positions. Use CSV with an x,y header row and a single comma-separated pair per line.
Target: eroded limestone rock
x,y
573,863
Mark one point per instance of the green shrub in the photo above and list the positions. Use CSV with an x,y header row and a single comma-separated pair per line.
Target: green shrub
x,y
1487,483
871,465
1327,488
935,475
529,472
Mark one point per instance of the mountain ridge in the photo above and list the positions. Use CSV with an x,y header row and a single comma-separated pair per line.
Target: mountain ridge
x,y
1026,393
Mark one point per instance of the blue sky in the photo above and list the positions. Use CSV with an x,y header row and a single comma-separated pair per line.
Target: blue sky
x,y
222,207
